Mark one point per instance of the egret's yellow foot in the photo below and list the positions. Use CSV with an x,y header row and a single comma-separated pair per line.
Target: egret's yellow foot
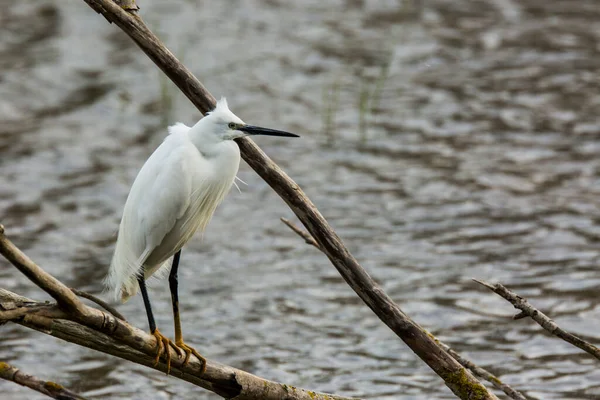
x,y
189,351
162,347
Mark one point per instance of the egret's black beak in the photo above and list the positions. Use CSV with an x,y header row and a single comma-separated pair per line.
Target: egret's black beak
x,y
257,130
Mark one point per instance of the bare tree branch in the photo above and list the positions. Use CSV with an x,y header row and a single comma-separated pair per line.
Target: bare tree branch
x,y
457,378
48,388
104,332
478,371
542,319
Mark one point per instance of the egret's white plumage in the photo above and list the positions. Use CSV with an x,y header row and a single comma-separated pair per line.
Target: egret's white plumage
x,y
174,195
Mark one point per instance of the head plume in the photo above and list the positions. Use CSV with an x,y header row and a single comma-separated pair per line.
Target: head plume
x,y
222,113
221,104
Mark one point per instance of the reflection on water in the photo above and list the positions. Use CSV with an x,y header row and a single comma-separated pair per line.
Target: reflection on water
x,y
443,140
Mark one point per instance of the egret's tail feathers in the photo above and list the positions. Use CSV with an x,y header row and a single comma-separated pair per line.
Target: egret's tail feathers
x,y
129,290
124,270
121,290
130,287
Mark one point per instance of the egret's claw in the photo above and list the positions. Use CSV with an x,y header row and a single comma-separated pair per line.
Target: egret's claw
x,y
189,351
179,350
162,347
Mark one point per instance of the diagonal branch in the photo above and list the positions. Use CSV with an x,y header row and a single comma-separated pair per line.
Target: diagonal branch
x,y
457,378
542,319
48,388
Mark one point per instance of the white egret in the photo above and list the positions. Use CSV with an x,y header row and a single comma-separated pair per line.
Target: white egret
x,y
174,195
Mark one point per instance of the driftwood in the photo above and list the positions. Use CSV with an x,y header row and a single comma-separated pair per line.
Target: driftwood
x,y
527,310
455,376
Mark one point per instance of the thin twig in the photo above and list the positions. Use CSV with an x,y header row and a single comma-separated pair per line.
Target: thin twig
x,y
48,388
542,319
478,371
98,301
302,233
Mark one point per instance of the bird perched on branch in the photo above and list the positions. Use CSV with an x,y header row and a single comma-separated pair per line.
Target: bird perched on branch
x,y
174,195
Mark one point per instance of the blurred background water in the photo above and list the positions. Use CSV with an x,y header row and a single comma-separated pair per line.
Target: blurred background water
x,y
444,140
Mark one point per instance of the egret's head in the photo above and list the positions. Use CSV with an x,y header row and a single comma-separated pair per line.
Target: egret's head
x,y
229,126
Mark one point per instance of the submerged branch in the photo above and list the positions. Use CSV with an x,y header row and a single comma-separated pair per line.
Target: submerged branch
x,y
527,310
457,378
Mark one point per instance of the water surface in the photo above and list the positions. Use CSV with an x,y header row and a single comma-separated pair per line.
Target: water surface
x,y
444,141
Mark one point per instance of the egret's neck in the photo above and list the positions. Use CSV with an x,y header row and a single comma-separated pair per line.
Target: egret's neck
x,y
208,143
221,157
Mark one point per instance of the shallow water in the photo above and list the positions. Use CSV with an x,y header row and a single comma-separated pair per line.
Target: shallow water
x,y
444,140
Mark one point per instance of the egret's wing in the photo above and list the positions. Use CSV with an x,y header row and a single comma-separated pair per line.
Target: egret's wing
x,y
158,197
167,201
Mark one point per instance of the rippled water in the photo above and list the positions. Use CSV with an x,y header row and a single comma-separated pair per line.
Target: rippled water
x,y
444,140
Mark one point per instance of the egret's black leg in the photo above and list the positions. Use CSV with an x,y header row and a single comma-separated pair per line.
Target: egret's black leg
x,y
162,342
144,291
173,286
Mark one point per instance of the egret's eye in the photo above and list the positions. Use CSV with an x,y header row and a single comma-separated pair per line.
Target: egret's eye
x,y
232,125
